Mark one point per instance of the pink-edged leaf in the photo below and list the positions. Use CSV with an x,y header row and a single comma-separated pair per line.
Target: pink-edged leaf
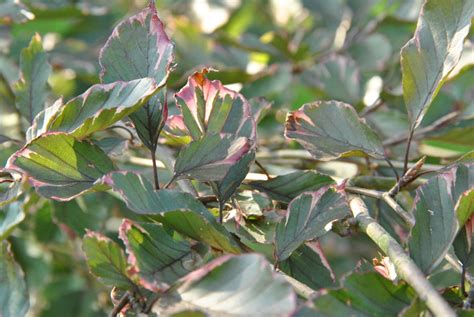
x,y
61,167
101,106
157,258
210,158
209,107
137,48
332,129
435,215
106,260
256,289
309,217
435,49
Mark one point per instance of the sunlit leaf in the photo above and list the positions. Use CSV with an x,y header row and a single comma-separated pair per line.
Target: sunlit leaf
x,y
32,88
238,286
106,260
308,218
101,106
331,129
14,298
210,158
61,167
433,52
157,258
179,210
208,107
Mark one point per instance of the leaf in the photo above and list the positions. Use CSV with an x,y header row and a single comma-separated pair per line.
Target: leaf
x,y
208,107
155,256
101,106
210,158
225,188
338,76
106,260
332,129
259,106
179,210
433,52
296,266
32,89
150,119
366,294
286,187
308,216
61,167
137,48
436,224
10,192
14,299
10,217
238,286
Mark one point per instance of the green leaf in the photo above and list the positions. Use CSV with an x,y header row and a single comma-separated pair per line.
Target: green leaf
x,y
10,192
367,294
296,266
238,286
150,119
10,216
210,158
179,210
286,187
61,167
436,224
465,207
101,106
208,107
14,299
332,129
308,216
32,88
137,48
106,260
433,52
155,256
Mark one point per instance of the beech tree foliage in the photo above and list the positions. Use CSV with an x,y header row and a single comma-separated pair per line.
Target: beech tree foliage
x,y
256,158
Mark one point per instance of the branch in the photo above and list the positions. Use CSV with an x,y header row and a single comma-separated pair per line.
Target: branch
x,y
404,265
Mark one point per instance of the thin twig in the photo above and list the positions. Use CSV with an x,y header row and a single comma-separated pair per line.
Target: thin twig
x,y
155,170
369,109
263,169
124,301
132,137
406,268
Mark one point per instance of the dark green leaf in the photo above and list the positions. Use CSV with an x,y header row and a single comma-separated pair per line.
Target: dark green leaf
x,y
101,106
433,52
10,192
256,290
137,48
210,158
156,257
106,260
286,187
14,299
61,167
32,88
308,218
332,129
150,119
